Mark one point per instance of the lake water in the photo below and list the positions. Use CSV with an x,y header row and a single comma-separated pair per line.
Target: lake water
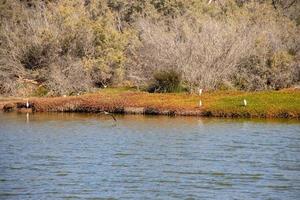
x,y
88,156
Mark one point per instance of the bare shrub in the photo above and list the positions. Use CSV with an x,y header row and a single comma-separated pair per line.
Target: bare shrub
x,y
61,38
101,77
246,49
250,45
67,77
271,64
206,53
7,85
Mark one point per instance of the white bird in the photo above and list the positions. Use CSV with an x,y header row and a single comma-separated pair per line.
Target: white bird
x,y
64,95
27,104
200,103
200,91
245,102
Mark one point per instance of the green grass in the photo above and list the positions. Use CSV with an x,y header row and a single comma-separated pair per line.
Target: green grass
x,y
220,103
117,90
266,103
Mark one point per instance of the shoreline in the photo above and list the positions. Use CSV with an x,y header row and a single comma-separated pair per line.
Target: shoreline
x,y
226,104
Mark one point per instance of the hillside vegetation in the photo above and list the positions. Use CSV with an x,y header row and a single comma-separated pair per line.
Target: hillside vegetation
x,y
57,47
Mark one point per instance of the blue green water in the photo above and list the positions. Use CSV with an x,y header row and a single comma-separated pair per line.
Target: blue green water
x,y
80,156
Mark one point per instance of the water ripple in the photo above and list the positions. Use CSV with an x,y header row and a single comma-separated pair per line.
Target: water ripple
x,y
60,156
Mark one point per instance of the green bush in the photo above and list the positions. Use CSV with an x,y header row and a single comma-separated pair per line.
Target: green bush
x,y
166,81
40,91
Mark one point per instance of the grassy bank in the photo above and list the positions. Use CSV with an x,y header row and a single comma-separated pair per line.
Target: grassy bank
x,y
267,104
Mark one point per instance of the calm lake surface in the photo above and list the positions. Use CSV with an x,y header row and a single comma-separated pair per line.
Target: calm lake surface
x,y
88,156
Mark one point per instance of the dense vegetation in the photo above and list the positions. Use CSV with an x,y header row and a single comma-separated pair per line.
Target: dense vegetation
x,y
57,47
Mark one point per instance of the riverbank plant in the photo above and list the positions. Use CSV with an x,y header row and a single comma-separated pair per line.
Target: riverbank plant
x,y
264,104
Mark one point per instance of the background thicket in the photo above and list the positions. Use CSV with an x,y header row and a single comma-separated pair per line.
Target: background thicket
x,y
65,47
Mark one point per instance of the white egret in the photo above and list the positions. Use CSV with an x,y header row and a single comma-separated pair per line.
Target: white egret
x,y
200,103
27,104
200,91
245,102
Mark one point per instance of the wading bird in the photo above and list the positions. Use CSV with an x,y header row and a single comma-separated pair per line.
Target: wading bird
x,y
200,91
245,102
107,113
27,104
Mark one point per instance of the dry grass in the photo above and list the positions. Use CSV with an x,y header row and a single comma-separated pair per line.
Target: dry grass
x,y
268,104
115,100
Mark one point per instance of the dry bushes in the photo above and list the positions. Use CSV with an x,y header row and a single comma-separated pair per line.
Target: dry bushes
x,y
252,48
64,45
72,46
206,53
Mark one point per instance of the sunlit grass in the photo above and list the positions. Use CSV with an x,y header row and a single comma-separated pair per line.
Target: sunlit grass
x,y
221,103
284,104
258,103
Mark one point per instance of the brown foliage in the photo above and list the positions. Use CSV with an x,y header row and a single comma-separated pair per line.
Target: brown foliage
x,y
249,45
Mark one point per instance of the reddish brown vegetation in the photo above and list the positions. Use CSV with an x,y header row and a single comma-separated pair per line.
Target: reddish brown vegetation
x,y
134,103
280,104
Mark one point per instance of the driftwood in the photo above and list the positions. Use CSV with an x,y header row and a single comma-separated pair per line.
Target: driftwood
x,y
25,80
